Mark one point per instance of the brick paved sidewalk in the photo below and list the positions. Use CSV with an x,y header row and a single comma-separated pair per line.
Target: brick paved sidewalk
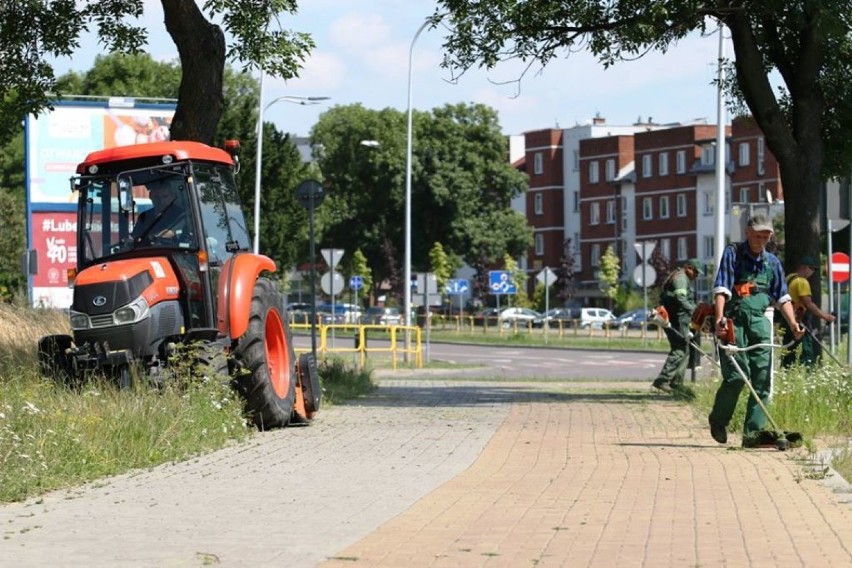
x,y
599,480
453,473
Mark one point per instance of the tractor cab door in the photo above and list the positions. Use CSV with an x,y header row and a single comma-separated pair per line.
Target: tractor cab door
x,y
224,228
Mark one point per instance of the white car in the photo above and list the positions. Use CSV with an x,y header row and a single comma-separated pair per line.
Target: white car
x,y
595,318
520,316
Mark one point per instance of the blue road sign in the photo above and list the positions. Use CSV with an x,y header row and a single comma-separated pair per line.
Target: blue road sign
x,y
499,282
457,286
356,282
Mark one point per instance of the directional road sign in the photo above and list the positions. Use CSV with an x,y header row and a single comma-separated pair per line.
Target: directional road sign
x,y
499,282
356,282
457,286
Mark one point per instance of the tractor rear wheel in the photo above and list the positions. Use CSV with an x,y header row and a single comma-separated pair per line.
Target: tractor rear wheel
x,y
266,376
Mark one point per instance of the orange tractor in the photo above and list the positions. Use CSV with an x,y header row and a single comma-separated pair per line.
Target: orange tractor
x,y
164,267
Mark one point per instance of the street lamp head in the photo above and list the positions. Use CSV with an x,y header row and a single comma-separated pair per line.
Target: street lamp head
x,y
370,143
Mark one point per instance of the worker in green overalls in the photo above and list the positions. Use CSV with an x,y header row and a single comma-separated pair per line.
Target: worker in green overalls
x,y
749,279
677,298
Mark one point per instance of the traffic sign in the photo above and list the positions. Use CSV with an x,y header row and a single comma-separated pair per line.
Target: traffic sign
x,y
644,249
499,282
356,282
644,275
310,193
332,256
332,283
546,276
427,283
457,286
839,269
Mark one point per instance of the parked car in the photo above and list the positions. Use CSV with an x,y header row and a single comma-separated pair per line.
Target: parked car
x,y
633,319
595,317
328,316
518,316
556,316
353,312
487,317
299,312
378,315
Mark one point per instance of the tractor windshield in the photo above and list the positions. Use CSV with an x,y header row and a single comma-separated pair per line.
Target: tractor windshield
x,y
137,209
221,214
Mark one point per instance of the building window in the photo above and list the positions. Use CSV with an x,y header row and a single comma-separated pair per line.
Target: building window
x,y
709,202
576,201
727,200
595,259
538,163
623,214
539,203
708,155
666,248
709,247
761,193
647,168
594,174
681,161
744,195
610,212
539,244
681,205
664,207
576,160
664,163
594,213
610,169
647,209
761,156
744,156
681,248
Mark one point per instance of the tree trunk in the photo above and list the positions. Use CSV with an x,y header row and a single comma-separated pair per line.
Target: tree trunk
x,y
201,46
797,145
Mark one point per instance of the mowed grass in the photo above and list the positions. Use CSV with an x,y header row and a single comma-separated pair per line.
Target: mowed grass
x,y
52,436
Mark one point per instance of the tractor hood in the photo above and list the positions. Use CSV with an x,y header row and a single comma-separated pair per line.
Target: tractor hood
x,y
102,288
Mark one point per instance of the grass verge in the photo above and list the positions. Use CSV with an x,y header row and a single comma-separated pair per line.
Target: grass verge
x,y
53,437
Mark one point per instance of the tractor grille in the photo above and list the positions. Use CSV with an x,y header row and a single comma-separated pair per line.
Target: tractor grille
x,y
168,317
101,321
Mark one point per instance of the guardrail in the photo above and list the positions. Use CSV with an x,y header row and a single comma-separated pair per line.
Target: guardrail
x,y
404,342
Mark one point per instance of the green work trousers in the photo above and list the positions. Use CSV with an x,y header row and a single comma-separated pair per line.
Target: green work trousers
x,y
807,352
674,368
750,328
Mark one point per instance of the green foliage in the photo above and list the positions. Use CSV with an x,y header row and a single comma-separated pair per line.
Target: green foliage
x,y
33,33
441,266
360,267
609,273
566,273
461,186
518,277
341,382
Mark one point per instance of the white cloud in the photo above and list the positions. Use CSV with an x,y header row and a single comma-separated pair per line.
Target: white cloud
x,y
357,31
322,71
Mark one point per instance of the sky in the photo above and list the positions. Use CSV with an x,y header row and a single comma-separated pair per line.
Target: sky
x,y
362,56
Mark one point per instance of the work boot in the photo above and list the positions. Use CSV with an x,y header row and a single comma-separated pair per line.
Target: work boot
x,y
718,432
682,392
662,384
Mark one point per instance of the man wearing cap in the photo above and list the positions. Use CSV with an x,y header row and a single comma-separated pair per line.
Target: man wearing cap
x,y
678,299
806,310
749,279
166,220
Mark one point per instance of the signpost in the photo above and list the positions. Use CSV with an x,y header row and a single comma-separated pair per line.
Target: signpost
x,y
644,274
499,283
458,287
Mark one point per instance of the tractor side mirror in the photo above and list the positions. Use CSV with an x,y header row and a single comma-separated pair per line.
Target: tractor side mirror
x,y
125,194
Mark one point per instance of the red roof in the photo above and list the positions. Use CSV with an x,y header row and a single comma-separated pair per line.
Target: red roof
x,y
179,150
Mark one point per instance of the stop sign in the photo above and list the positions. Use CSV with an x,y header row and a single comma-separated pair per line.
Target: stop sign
x,y
839,267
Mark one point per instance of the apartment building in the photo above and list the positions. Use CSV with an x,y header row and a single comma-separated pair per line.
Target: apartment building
x,y
644,182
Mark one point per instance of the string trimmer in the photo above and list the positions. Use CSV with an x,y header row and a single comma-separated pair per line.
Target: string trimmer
x,y
699,317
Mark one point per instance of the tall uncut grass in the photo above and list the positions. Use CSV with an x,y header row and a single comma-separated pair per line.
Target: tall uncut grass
x,y
52,436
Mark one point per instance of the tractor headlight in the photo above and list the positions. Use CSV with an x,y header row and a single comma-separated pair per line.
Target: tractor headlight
x,y
131,313
79,321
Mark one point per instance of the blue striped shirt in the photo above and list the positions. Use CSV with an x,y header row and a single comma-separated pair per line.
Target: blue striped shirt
x,y
726,275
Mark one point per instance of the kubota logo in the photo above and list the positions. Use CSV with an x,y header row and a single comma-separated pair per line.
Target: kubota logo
x,y
99,301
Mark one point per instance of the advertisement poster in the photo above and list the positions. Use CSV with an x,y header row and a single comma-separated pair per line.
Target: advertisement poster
x,y
54,240
55,142
59,140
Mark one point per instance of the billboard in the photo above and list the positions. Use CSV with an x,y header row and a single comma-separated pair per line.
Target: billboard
x,y
55,142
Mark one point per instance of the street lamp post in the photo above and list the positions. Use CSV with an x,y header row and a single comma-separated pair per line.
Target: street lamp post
x,y
261,109
407,283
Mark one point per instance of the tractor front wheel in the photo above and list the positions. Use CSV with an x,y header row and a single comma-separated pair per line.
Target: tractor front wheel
x,y
266,373
53,360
